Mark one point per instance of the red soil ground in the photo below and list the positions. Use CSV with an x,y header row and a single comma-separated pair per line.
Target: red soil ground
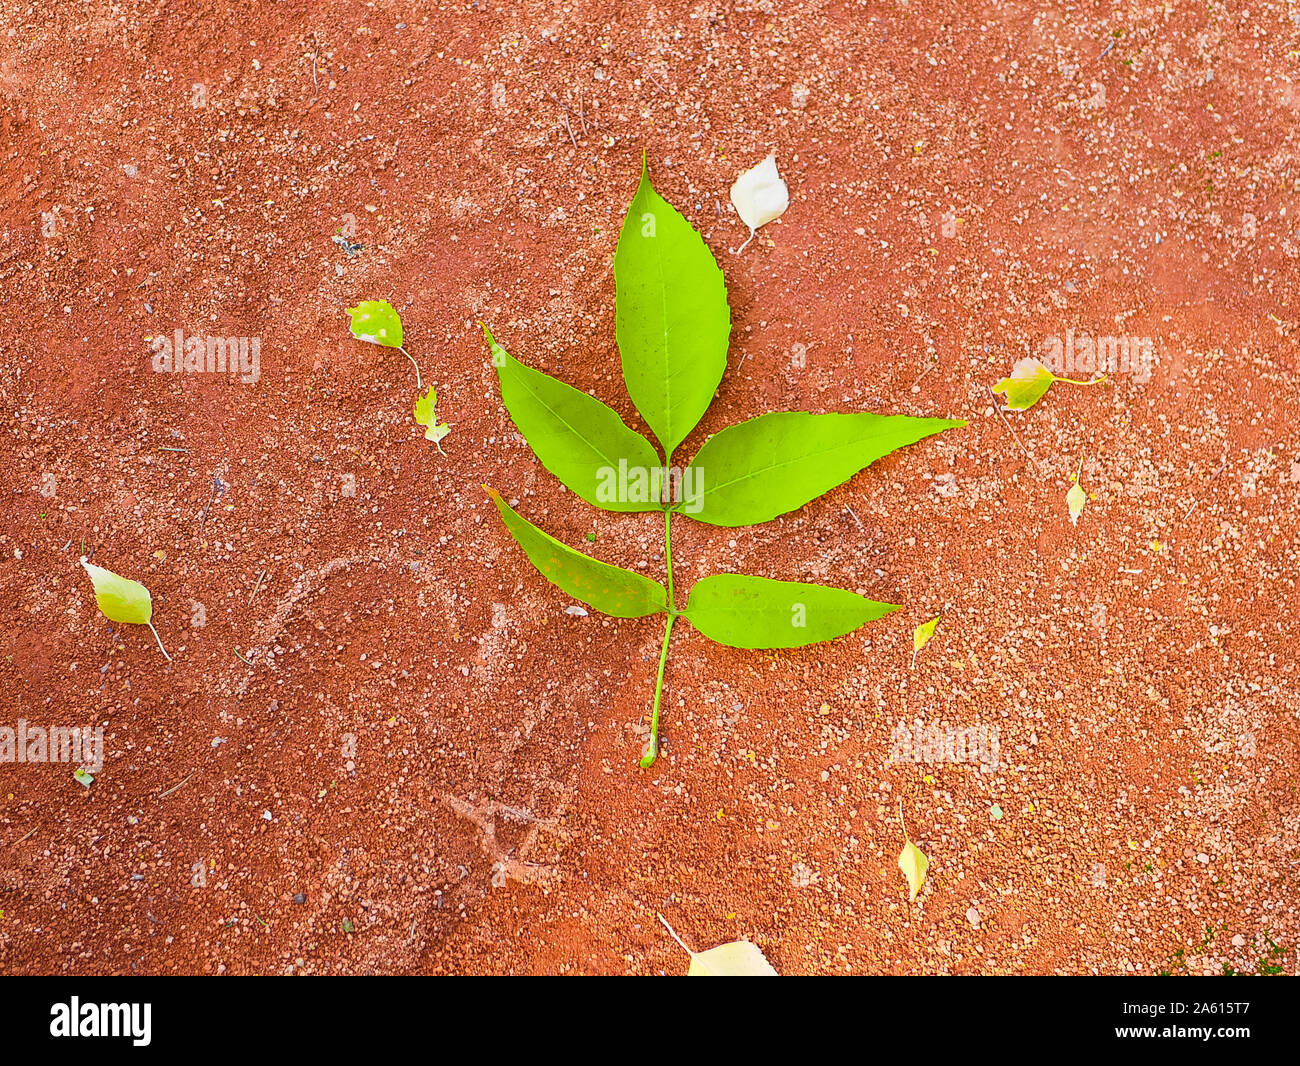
x,y
963,187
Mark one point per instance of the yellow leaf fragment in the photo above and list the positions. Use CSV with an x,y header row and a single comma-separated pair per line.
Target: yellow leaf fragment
x,y
914,863
1028,382
122,600
1076,499
921,636
911,860
737,959
1025,387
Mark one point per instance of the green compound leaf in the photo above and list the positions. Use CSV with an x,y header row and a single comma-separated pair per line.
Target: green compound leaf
x,y
576,437
611,589
119,598
776,463
672,318
376,321
757,612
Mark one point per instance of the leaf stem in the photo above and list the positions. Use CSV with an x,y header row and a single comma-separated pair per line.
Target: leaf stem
x,y
671,932
668,554
418,383
1075,381
159,640
752,234
653,751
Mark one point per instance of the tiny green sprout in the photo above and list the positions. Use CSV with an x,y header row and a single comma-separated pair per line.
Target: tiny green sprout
x,y
673,326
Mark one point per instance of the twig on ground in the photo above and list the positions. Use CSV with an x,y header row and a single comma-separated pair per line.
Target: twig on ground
x,y
178,787
1032,460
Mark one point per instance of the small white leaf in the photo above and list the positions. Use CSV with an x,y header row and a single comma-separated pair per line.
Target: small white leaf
x,y
760,195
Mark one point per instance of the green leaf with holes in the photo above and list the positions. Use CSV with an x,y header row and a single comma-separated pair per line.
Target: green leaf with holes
x,y
611,589
376,321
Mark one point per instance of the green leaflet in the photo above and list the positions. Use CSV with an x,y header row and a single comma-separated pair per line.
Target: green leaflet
x,y
672,319
610,589
120,599
767,466
757,612
576,437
